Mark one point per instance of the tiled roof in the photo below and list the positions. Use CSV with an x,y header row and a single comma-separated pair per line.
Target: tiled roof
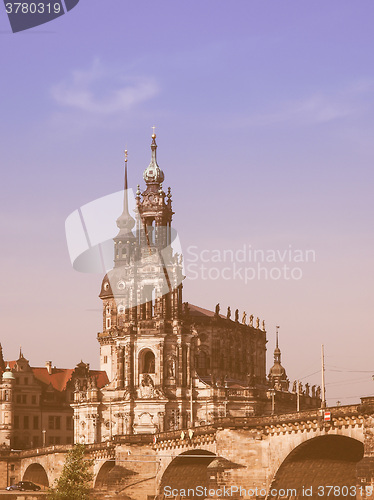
x,y
58,378
61,376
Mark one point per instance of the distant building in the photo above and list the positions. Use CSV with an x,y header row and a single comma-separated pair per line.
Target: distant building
x,y
170,364
35,402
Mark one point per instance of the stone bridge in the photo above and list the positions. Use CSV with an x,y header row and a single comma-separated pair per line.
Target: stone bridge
x,y
294,455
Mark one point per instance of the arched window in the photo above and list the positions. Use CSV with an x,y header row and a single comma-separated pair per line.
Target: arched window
x,y
147,361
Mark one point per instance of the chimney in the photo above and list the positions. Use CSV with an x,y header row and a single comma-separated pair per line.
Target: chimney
x,y
49,367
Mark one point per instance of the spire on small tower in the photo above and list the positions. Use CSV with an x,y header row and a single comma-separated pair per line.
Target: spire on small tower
x,y
277,374
125,200
125,222
277,351
276,334
2,362
153,173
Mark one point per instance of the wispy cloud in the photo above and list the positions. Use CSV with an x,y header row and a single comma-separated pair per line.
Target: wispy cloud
x,y
102,90
318,108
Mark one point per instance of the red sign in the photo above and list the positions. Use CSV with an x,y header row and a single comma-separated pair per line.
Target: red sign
x,y
327,416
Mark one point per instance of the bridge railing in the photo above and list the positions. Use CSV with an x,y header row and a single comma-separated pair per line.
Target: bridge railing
x,y
59,448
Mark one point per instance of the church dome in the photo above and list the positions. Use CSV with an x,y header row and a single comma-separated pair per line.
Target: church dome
x,y
277,370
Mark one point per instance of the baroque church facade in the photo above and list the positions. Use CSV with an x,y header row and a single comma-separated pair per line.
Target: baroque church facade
x,y
170,364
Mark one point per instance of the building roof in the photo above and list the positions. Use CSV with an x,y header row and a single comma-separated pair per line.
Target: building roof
x,y
61,376
200,312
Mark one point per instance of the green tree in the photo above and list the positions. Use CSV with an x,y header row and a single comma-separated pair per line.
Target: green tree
x,y
74,482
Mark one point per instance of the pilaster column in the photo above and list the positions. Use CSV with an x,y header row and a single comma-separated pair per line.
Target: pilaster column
x,y
179,367
188,363
127,366
120,371
161,368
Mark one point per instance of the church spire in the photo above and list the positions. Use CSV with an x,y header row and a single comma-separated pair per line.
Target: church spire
x,y
125,222
153,173
277,351
125,198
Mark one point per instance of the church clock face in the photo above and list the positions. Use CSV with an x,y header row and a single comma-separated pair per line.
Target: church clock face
x,y
121,285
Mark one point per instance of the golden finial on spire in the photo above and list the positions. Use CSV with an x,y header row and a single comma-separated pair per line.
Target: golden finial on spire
x,y
126,155
154,133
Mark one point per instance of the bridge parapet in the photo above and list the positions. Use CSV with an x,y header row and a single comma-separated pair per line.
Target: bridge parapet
x,y
47,450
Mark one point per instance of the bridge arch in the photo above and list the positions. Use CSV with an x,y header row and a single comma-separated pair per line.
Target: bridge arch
x,y
317,463
186,471
102,476
36,474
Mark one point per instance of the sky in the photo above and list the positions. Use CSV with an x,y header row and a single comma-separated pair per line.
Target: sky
x,y
264,114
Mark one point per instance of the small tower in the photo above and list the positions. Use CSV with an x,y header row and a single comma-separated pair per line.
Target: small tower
x,y
124,241
142,294
277,374
154,217
7,407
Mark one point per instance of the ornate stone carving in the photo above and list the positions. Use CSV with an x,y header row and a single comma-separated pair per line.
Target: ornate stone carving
x,y
171,367
146,390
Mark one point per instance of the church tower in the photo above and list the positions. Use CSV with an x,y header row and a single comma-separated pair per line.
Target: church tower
x,y
277,374
144,347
